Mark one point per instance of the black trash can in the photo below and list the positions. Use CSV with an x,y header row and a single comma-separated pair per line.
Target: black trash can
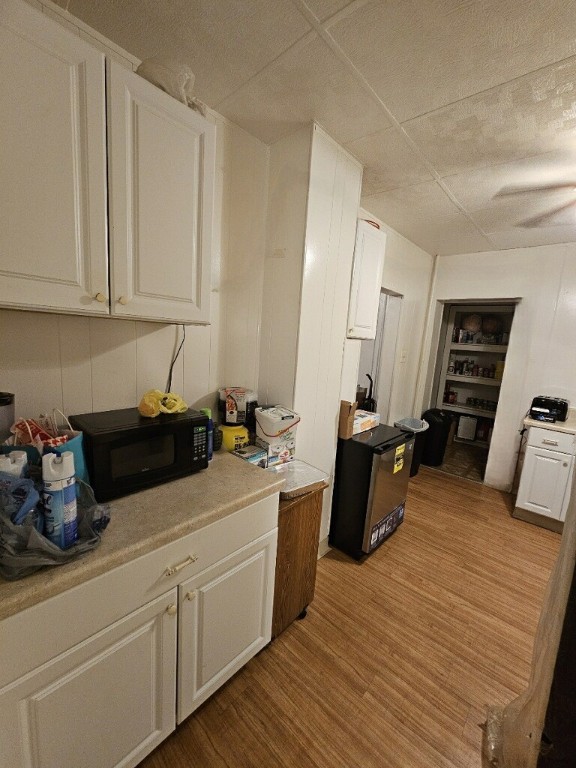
x,y
436,437
419,443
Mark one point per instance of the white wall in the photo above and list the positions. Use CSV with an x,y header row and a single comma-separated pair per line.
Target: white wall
x,y
540,357
81,364
314,194
282,275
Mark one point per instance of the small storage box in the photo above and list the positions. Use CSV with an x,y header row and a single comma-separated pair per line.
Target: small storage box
x,y
253,454
276,433
467,427
364,420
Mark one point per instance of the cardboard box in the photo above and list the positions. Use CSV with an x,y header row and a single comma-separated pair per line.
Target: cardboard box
x,y
276,433
353,421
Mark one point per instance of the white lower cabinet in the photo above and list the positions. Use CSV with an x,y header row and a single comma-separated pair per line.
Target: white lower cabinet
x,y
98,676
225,618
108,701
547,473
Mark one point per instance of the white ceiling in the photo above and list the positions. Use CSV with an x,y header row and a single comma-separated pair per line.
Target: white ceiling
x,y
443,101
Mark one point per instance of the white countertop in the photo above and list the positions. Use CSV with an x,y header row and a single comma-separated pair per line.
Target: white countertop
x,y
147,520
568,426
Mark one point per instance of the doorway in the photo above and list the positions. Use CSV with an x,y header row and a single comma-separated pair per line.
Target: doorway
x,y
469,370
378,355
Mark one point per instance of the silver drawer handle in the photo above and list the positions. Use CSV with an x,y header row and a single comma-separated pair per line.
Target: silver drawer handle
x,y
171,570
550,442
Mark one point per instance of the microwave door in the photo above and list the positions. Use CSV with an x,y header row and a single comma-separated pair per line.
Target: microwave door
x,y
154,453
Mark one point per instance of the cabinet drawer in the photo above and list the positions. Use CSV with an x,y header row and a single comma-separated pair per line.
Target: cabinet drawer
x,y
552,440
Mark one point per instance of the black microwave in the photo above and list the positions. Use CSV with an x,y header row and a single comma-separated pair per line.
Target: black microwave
x,y
126,452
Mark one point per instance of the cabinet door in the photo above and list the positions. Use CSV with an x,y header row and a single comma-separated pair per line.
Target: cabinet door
x,y
161,173
366,281
106,702
544,482
53,238
225,619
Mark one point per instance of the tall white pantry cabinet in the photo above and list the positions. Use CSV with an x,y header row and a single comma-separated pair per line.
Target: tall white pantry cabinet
x,y
91,152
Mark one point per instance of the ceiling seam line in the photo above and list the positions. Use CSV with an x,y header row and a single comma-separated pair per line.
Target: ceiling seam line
x,y
337,50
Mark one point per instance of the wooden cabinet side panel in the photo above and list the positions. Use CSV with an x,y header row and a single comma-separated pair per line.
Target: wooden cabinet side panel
x,y
296,561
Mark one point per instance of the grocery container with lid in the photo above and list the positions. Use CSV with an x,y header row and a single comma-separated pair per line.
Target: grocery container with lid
x,y
276,432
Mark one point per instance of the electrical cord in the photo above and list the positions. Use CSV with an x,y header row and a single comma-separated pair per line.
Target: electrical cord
x,y
169,382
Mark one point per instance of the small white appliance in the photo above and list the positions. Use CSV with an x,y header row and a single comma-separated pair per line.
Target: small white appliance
x,y
467,427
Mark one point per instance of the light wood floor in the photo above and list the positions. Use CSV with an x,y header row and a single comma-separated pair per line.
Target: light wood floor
x,y
398,657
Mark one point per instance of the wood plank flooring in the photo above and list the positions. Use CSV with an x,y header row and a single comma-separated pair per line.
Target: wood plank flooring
x,y
399,656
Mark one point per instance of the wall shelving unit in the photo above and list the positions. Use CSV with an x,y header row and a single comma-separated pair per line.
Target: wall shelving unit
x,y
472,364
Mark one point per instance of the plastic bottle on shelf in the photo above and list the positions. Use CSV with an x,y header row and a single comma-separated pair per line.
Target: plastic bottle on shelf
x,y
451,365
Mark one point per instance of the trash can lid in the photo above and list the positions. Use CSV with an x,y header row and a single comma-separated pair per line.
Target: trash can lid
x,y
412,425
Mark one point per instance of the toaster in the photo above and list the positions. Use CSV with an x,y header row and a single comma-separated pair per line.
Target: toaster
x,y
545,408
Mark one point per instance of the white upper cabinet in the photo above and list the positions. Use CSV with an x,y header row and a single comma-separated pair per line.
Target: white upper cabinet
x,y
57,204
161,172
366,281
53,241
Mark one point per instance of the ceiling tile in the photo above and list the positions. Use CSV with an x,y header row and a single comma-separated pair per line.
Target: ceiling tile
x,y
308,82
425,215
389,161
529,116
225,42
422,54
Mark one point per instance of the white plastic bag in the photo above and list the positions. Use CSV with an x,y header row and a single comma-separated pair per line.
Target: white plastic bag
x,y
172,76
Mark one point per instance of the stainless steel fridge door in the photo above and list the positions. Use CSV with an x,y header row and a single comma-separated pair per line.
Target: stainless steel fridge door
x,y
388,489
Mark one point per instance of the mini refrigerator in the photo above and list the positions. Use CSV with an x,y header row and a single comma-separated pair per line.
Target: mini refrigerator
x,y
370,487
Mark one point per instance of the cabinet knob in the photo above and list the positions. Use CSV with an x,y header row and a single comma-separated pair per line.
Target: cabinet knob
x,y
172,609
100,297
123,300
190,596
565,464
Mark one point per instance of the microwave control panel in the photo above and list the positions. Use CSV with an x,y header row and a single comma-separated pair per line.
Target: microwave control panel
x,y
199,444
